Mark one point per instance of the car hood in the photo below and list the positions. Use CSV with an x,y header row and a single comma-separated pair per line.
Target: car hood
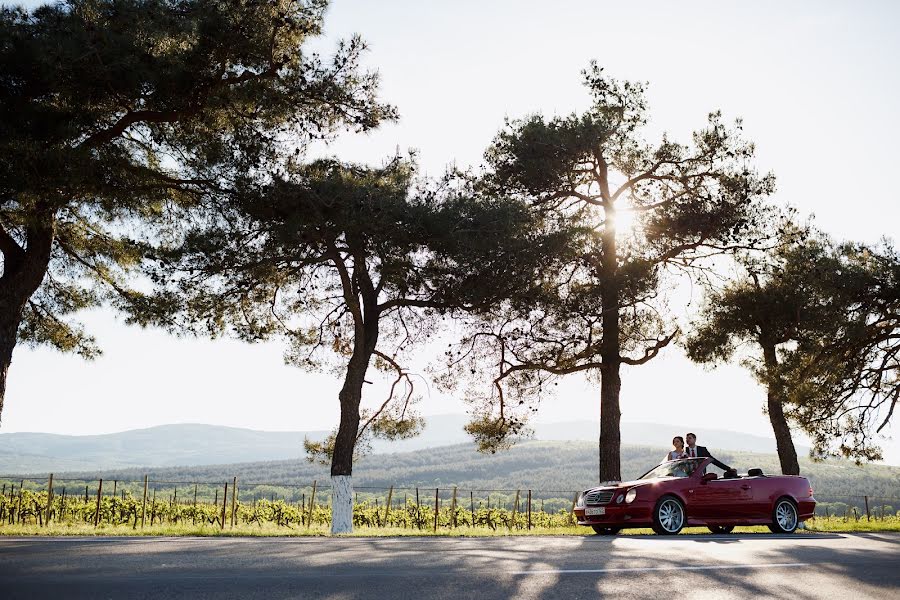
x,y
627,484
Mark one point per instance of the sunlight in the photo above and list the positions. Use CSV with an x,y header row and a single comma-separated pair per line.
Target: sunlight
x,y
626,221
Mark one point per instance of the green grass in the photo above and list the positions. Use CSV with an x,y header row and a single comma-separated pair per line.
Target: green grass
x,y
851,524
817,525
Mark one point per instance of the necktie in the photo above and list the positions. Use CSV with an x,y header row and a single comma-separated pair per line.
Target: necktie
x,y
692,453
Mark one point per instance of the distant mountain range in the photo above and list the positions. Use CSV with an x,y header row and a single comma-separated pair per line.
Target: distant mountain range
x,y
194,444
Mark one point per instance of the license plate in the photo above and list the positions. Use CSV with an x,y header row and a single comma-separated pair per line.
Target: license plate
x,y
593,512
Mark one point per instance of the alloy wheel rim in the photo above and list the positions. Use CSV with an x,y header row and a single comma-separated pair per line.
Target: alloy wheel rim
x,y
786,516
670,515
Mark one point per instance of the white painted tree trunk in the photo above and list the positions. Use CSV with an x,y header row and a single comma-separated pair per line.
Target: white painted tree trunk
x,y
341,504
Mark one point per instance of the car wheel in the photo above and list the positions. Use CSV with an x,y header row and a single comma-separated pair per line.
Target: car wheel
x,y
602,530
668,516
784,516
721,528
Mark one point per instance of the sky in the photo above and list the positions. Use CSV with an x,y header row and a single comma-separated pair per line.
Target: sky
x,y
816,84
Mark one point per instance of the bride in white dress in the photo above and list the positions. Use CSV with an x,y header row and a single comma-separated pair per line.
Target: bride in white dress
x,y
678,452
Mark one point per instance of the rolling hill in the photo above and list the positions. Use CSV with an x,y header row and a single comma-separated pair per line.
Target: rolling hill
x,y
194,444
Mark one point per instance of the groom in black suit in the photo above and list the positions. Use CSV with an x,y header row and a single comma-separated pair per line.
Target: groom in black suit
x,y
693,450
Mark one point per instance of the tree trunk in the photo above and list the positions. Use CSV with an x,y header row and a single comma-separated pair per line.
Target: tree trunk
x,y
610,416
787,454
23,272
9,326
341,504
350,398
610,382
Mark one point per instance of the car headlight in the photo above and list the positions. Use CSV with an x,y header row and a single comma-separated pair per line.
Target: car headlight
x,y
631,495
619,499
580,501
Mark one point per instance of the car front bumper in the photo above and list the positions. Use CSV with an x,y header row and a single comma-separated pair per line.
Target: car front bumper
x,y
636,514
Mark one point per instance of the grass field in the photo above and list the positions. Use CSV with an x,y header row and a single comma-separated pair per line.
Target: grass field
x,y
819,524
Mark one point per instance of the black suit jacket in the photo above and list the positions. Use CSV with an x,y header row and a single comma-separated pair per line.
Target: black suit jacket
x,y
702,452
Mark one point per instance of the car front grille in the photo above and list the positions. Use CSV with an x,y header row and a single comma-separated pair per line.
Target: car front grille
x,y
599,497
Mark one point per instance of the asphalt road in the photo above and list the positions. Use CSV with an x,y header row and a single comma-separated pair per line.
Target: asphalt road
x,y
684,567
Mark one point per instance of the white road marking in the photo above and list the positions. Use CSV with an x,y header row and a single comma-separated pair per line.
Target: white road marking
x,y
645,569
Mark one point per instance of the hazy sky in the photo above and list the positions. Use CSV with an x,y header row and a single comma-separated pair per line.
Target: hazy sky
x,y
817,86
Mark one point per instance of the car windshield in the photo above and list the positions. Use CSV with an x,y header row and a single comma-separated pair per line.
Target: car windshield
x,y
674,468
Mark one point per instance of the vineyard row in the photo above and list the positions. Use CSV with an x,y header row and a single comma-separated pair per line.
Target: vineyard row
x,y
135,503
30,507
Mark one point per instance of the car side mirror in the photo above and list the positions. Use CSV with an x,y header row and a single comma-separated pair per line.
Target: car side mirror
x,y
709,477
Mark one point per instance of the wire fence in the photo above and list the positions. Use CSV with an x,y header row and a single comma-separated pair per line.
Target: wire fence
x,y
139,503
871,507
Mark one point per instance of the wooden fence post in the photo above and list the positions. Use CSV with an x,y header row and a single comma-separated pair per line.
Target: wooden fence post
x,y
224,502
515,510
144,503
453,509
312,503
472,505
387,505
868,516
49,498
435,508
233,499
19,508
97,513
572,510
418,510
529,509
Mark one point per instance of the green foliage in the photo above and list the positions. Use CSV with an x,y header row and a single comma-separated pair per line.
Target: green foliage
x,y
828,313
781,297
603,304
117,114
349,262
845,384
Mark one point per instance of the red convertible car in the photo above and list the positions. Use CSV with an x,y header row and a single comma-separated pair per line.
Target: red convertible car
x,y
690,493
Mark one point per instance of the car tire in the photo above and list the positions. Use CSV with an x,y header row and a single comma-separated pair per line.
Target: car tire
x,y
784,516
603,530
668,516
721,528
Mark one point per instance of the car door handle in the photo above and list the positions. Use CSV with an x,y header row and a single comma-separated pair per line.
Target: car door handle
x,y
745,487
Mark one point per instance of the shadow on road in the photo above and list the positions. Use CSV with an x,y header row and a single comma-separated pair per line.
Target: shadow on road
x,y
803,566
